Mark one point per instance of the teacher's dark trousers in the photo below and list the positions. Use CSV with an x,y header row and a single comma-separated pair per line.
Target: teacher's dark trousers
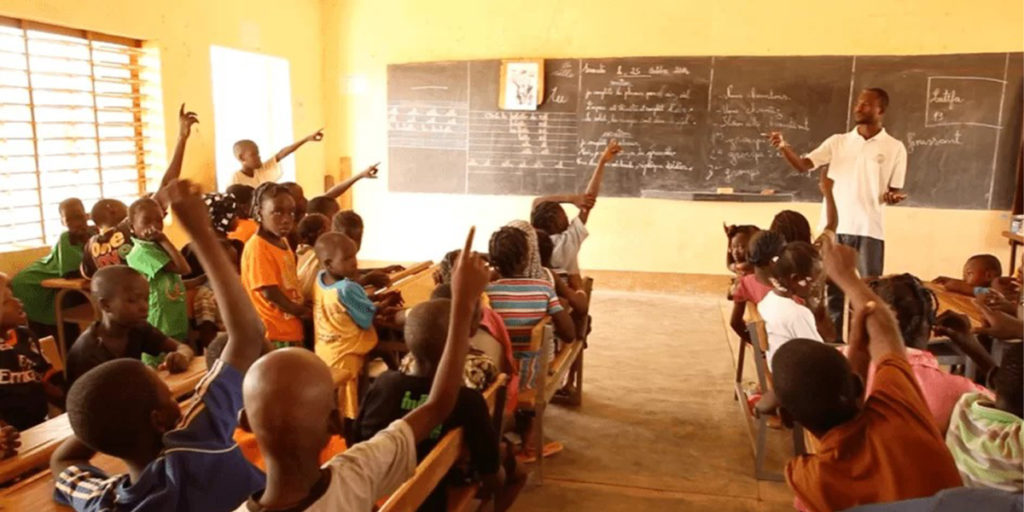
x,y
870,263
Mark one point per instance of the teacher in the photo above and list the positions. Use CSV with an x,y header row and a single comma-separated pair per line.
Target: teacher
x,y
868,167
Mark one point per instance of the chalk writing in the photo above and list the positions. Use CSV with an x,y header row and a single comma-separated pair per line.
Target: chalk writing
x,y
427,124
946,97
914,141
516,143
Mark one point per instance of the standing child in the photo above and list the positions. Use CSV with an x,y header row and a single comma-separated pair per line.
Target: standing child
x,y
882,449
350,224
268,267
155,257
63,260
123,330
255,172
29,380
547,214
291,406
121,408
344,315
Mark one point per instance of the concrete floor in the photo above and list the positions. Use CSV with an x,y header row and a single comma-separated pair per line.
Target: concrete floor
x,y
658,428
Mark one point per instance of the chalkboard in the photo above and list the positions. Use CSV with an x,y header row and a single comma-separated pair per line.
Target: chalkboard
x,y
689,125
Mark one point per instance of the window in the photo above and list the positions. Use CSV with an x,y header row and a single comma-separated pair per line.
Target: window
x,y
74,121
252,99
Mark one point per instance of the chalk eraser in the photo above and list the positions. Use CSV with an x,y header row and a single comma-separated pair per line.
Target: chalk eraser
x,y
724,190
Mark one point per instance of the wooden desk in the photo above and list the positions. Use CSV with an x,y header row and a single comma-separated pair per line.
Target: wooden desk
x,y
956,302
40,441
1015,240
416,288
84,313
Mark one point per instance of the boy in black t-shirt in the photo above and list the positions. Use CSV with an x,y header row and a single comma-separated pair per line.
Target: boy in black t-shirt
x,y
27,381
123,296
113,242
394,394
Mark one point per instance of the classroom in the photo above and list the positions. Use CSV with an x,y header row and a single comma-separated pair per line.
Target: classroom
x,y
399,255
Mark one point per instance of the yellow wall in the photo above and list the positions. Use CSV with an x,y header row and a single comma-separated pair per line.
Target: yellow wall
x,y
182,31
638,234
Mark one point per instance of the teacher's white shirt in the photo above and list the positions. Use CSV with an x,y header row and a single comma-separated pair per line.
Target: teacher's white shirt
x,y
863,170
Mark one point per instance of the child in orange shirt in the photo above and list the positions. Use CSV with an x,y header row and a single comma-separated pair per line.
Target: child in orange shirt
x,y
269,269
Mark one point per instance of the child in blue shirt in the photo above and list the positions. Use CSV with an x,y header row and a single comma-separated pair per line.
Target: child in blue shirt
x,y
176,460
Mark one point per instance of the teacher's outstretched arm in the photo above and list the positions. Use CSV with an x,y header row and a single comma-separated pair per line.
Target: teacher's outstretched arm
x,y
802,164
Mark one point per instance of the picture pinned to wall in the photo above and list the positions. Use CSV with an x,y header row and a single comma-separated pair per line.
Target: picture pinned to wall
x,y
522,84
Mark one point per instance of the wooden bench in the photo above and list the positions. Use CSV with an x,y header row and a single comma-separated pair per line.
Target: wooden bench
x,y
963,304
81,314
432,469
417,286
40,441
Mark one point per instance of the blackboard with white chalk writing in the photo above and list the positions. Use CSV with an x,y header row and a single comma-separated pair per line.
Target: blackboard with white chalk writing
x,y
691,125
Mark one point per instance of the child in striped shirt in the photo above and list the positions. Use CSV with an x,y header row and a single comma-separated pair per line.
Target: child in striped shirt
x,y
522,303
986,438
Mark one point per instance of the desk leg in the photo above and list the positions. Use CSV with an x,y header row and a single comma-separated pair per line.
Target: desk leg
x,y
58,307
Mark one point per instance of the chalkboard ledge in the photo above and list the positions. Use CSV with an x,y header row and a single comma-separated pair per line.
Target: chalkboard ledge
x,y
740,197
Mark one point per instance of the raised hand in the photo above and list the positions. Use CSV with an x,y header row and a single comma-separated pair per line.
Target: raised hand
x,y
610,151
776,139
370,172
316,136
471,275
839,261
187,204
185,121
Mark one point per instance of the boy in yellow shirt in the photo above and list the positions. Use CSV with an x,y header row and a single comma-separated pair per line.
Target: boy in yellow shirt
x,y
344,315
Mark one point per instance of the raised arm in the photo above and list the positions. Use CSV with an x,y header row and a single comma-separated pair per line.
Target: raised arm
x,y
594,186
244,327
178,263
840,264
469,279
796,161
339,189
958,328
316,136
173,172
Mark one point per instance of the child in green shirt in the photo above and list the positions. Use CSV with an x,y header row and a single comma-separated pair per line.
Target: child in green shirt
x,y
63,260
155,257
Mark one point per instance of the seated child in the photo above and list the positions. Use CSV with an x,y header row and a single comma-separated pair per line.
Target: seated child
x,y
255,172
343,315
821,300
986,436
310,228
268,268
224,217
764,246
245,227
205,312
63,261
914,306
979,272
123,409
547,214
794,273
738,238
350,224
155,257
291,406
327,204
393,394
792,225
885,448
113,242
577,300
485,355
123,331
27,381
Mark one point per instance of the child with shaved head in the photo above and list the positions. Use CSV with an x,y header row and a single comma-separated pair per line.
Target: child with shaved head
x,y
255,171
291,406
175,461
